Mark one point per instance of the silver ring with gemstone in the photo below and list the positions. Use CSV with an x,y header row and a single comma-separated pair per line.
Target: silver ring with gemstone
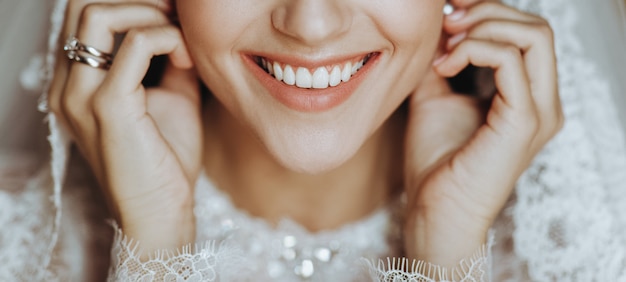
x,y
79,52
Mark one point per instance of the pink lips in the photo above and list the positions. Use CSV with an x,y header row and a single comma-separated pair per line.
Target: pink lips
x,y
309,100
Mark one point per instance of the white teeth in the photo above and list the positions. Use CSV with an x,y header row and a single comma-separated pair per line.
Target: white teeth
x,y
278,71
346,74
335,76
357,66
289,77
303,78
321,78
269,67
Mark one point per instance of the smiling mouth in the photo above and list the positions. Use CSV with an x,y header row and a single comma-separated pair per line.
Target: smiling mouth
x,y
322,77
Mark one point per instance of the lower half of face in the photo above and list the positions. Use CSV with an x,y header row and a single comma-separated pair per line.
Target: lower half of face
x,y
312,79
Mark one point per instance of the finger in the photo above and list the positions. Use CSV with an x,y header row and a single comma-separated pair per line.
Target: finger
x,y
122,98
121,107
73,12
138,48
512,122
98,26
463,19
465,4
122,94
537,44
510,74
76,7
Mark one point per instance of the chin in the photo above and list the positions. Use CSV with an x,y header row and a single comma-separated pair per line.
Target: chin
x,y
314,153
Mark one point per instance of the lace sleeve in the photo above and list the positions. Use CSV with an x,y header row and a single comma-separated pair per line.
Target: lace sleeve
x,y
202,262
474,269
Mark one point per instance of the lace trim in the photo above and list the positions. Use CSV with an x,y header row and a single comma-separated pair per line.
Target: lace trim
x,y
191,263
202,262
476,268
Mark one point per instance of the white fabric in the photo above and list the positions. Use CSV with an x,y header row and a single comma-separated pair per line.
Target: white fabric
x,y
569,212
564,223
237,247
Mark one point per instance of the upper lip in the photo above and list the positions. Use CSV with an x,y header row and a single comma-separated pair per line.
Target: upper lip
x,y
302,61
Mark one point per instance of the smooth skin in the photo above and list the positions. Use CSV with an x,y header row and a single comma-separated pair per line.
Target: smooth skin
x,y
460,181
460,164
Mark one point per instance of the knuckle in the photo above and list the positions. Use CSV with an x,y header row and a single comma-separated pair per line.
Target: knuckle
x,y
72,110
511,53
54,104
544,31
78,2
136,38
488,6
106,108
101,107
529,123
560,122
75,7
533,126
484,27
543,21
93,14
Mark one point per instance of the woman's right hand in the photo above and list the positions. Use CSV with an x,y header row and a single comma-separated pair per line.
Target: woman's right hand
x,y
144,145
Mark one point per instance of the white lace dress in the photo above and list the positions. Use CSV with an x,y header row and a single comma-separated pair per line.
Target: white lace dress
x,y
237,247
565,221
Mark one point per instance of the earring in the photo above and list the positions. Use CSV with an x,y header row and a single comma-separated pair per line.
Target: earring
x,y
448,9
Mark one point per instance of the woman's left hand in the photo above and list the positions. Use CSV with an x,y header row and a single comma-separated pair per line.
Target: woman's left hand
x,y
462,164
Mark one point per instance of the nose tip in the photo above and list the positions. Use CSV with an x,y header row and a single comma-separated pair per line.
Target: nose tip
x,y
312,21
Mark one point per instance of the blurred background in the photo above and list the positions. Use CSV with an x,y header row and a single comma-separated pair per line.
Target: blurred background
x,y
24,26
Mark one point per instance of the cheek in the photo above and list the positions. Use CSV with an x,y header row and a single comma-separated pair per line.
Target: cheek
x,y
414,30
212,29
207,24
408,22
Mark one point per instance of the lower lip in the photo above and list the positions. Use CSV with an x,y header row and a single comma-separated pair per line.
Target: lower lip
x,y
310,100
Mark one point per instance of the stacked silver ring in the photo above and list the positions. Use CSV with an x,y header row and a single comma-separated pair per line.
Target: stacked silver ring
x,y
88,55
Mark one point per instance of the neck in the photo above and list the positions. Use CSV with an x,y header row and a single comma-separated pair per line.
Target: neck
x,y
240,165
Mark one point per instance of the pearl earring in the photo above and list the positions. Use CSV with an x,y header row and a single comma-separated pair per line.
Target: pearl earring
x,y
448,9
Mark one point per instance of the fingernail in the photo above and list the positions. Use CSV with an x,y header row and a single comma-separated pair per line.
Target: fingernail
x,y
440,60
457,15
454,40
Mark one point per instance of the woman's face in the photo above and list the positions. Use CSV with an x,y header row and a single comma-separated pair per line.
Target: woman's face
x,y
320,112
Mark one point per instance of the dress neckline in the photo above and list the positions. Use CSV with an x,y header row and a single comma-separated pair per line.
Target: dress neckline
x,y
206,190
